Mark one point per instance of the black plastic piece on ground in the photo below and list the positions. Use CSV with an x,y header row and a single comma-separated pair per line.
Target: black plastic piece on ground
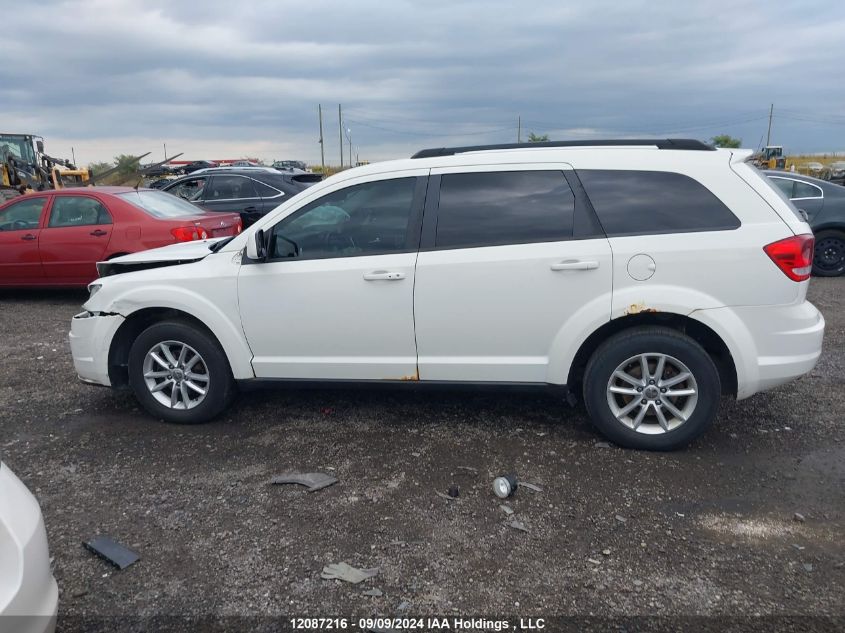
x,y
107,548
661,143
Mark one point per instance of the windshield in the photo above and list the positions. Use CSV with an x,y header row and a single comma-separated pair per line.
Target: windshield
x,y
18,146
160,204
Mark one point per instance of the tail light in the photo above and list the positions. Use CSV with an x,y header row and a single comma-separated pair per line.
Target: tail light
x,y
794,256
189,233
239,226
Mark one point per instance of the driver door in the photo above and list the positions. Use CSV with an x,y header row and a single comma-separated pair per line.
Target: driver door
x,y
20,230
335,298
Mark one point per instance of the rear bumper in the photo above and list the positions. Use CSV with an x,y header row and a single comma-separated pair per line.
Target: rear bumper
x,y
90,340
770,345
28,592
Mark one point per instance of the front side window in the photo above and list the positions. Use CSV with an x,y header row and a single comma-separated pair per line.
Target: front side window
x,y
190,189
654,202
366,219
806,190
77,211
230,188
507,207
23,215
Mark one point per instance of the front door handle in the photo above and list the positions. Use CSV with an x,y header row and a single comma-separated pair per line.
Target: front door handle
x,y
383,275
575,264
28,237
99,233
250,209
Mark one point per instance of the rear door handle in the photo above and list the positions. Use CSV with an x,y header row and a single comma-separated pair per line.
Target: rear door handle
x,y
28,237
250,209
575,265
383,275
99,232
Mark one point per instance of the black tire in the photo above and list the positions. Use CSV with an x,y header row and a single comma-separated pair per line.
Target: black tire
x,y
220,389
829,254
651,340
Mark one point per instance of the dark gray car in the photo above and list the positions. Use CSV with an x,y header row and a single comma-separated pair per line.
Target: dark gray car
x,y
250,191
824,204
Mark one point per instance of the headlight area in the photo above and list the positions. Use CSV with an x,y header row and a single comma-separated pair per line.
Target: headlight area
x,y
93,289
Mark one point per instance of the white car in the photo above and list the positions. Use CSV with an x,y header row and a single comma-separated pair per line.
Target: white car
x,y
648,277
28,593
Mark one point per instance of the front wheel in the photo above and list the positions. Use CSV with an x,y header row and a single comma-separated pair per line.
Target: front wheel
x,y
179,373
651,388
829,254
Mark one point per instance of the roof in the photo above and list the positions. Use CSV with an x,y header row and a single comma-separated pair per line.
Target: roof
x,y
666,143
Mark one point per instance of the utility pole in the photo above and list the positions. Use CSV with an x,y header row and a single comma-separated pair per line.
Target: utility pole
x,y
165,150
73,156
519,129
340,129
769,133
349,135
322,149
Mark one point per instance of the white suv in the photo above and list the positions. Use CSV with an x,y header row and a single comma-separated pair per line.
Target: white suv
x,y
650,277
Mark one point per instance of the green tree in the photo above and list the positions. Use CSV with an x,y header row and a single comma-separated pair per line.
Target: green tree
x,y
726,140
99,168
537,138
125,165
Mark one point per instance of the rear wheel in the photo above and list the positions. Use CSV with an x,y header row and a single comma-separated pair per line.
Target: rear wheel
x,y
829,254
651,388
179,373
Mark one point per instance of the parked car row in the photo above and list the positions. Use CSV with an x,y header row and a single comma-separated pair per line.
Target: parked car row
x,y
56,237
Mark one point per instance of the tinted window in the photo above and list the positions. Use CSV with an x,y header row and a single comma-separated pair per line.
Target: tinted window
x,y
77,211
510,207
230,188
642,202
784,184
367,219
22,215
806,190
160,204
265,191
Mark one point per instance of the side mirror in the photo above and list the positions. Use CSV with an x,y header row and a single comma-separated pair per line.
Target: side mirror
x,y
39,145
256,248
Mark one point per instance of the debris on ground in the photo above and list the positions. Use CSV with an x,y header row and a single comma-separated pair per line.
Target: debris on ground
x,y
798,547
107,548
443,495
594,561
505,485
605,552
347,573
403,606
375,593
517,525
534,487
601,445
621,519
312,481
808,567
454,492
506,509
798,517
469,468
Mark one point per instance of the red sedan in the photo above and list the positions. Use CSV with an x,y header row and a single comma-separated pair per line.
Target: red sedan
x,y
55,238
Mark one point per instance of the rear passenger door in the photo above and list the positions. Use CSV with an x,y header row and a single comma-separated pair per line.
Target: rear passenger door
x,y
75,238
511,264
232,193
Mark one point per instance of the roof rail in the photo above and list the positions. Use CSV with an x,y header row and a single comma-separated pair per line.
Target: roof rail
x,y
661,143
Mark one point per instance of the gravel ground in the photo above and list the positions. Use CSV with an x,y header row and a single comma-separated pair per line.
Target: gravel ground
x,y
708,531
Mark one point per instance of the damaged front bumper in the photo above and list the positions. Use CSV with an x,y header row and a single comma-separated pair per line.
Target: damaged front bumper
x,y
91,334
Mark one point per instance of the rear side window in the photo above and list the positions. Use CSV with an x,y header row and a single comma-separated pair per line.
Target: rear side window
x,y
646,202
507,207
160,204
77,211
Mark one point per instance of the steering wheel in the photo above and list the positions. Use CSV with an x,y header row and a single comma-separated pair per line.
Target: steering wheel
x,y
332,240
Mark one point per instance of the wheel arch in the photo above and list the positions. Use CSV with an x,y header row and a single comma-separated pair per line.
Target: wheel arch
x,y
137,322
698,331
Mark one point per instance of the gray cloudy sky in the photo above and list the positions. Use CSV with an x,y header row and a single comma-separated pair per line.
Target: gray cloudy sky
x,y
229,79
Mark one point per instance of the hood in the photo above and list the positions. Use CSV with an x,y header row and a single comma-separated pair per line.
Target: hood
x,y
182,253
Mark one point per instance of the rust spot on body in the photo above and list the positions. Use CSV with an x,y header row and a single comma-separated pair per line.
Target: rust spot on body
x,y
637,308
412,378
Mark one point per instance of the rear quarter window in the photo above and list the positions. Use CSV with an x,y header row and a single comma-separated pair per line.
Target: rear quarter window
x,y
630,202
